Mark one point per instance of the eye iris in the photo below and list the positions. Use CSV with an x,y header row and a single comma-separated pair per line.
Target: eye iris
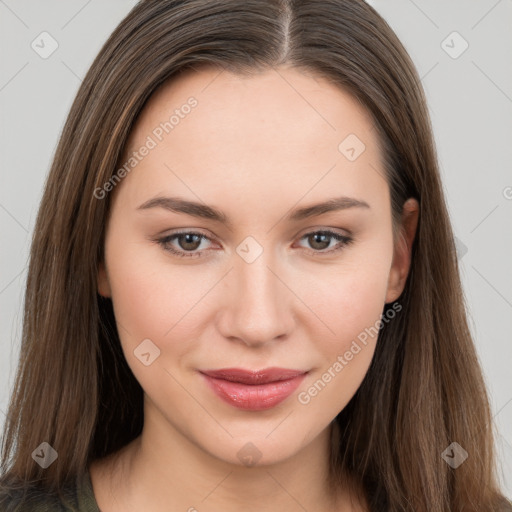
x,y
189,240
312,239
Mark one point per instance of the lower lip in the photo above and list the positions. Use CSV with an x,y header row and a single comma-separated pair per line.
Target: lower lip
x,y
254,398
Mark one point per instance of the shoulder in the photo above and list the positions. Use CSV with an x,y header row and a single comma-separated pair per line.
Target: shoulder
x,y
505,505
75,497
30,500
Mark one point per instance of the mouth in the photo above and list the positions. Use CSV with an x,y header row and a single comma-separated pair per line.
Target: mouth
x,y
253,390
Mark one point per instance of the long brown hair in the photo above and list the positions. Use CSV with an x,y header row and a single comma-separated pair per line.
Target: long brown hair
x,y
424,388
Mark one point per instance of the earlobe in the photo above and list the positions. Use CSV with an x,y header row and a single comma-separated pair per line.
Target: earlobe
x,y
102,281
403,250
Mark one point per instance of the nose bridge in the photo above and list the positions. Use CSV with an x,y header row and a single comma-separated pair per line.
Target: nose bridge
x,y
259,307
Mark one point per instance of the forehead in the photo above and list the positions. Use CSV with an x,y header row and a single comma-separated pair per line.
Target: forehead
x,y
266,101
277,128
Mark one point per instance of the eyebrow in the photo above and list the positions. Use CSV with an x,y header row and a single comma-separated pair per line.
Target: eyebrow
x,y
195,209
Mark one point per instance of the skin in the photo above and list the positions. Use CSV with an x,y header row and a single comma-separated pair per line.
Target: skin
x,y
255,148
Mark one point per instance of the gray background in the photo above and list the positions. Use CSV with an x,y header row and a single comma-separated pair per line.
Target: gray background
x,y
470,101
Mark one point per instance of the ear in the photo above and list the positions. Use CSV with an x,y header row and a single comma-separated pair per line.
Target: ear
x,y
102,280
403,250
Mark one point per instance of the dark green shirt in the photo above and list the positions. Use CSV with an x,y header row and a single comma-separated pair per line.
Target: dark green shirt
x,y
77,498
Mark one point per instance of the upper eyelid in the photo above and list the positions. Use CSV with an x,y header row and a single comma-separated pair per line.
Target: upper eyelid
x,y
197,231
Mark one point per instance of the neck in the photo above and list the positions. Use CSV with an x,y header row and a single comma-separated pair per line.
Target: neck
x,y
163,469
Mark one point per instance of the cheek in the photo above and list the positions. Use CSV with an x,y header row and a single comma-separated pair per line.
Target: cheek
x,y
350,298
352,316
350,303
155,299
136,293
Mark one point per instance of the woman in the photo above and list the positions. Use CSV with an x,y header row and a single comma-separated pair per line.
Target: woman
x,y
243,290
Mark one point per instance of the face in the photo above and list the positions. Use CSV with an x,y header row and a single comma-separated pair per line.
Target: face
x,y
251,276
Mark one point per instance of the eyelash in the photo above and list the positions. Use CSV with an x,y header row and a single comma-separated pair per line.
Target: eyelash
x,y
164,243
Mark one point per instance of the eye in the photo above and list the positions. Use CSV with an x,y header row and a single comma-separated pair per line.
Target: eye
x,y
187,240
189,243
320,240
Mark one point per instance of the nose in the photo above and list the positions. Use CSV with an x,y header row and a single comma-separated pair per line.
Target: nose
x,y
259,307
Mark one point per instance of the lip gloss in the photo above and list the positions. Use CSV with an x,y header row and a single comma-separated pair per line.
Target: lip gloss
x,y
253,396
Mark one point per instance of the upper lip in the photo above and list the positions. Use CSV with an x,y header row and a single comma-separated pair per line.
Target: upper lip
x,y
243,376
